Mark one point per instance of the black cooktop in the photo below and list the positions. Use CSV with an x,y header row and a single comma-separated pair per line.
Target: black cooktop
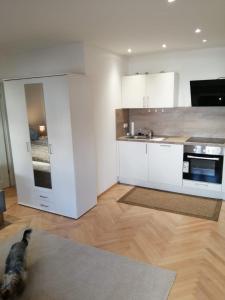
x,y
206,140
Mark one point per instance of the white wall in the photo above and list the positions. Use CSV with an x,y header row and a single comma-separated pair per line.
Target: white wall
x,y
105,70
190,65
54,60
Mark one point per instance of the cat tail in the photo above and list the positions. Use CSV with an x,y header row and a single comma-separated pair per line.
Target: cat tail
x,y
26,235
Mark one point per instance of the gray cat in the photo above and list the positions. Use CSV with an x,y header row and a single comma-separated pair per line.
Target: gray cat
x,y
15,268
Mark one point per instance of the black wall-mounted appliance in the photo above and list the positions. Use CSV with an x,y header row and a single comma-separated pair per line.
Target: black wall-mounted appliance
x,y
208,92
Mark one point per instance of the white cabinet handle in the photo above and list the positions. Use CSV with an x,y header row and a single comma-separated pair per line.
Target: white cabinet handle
x,y
146,149
44,197
206,158
201,184
148,101
165,145
50,149
28,146
144,102
43,205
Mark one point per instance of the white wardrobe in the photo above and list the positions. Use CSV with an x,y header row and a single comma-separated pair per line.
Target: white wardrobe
x,y
52,139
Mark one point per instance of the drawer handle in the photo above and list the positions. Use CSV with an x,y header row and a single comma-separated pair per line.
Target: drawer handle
x,y
28,146
44,197
202,157
165,145
50,149
43,205
202,184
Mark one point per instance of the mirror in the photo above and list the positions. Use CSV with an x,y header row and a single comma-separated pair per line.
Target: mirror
x,y
38,134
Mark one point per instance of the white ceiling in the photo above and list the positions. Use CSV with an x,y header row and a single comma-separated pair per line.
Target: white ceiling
x,y
143,25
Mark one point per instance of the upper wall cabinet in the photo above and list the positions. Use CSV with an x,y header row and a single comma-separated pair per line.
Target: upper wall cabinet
x,y
149,91
133,91
161,90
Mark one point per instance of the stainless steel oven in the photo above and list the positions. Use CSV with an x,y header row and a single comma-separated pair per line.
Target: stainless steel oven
x,y
203,163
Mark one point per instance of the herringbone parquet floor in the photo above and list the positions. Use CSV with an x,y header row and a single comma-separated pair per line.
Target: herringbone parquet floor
x,y
194,248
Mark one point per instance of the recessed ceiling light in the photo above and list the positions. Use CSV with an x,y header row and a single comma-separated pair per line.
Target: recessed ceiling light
x,y
204,41
129,50
170,1
164,46
198,30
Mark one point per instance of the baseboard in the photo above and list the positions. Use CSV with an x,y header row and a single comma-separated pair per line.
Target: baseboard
x,y
107,190
174,189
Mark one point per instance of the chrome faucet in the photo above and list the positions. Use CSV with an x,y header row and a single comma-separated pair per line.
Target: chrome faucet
x,y
150,134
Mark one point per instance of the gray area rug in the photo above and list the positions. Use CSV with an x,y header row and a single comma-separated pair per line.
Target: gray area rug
x,y
62,269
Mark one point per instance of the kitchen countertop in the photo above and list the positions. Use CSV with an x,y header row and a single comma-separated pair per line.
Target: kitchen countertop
x,y
182,140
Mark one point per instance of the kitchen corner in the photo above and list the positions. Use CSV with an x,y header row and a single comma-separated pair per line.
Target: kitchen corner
x,y
175,159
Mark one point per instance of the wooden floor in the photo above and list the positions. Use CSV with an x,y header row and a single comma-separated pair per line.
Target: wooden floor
x,y
194,248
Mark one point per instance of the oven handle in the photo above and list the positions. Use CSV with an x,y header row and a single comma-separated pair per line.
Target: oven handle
x,y
206,158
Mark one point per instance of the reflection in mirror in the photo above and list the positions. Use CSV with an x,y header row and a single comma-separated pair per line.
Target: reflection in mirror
x,y
38,134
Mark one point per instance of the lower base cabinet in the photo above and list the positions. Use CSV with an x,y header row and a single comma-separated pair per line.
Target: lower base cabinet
x,y
133,161
146,162
160,166
166,164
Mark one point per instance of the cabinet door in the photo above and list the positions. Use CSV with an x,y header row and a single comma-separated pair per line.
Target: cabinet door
x,y
133,91
58,116
223,182
165,164
4,175
20,139
133,161
160,90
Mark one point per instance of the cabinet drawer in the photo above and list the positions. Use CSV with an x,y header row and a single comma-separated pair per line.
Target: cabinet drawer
x,y
202,185
167,147
42,195
44,205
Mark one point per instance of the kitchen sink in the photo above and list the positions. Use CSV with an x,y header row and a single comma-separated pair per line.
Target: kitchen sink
x,y
137,137
144,138
158,139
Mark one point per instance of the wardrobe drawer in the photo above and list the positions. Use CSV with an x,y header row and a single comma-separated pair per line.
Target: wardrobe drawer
x,y
44,205
43,196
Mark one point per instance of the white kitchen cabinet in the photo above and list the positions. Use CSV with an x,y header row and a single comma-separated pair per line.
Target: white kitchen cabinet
x,y
149,91
133,161
134,91
53,169
161,90
166,164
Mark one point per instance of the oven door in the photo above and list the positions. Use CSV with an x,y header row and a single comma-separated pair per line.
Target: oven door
x,y
202,167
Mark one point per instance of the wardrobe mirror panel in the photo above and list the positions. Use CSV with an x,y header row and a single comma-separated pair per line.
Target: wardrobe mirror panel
x,y
38,135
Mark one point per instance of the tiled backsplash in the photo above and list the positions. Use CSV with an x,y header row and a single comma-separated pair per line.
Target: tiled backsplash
x,y
187,121
122,116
